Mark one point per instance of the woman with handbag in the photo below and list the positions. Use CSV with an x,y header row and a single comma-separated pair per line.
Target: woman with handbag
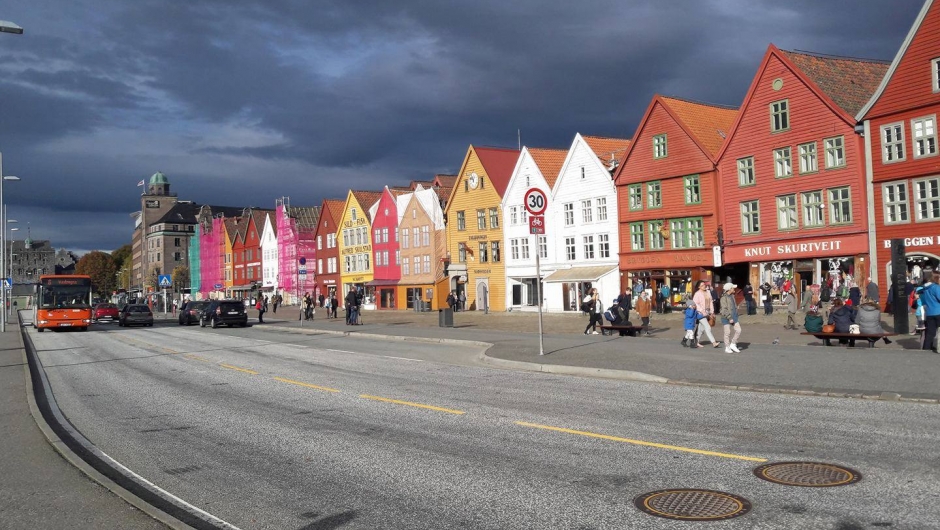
x,y
704,303
842,317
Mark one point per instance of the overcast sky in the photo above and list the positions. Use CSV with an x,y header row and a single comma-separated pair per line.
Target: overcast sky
x,y
240,102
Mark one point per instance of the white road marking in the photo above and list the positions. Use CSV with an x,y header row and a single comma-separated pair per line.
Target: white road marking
x,y
404,359
341,351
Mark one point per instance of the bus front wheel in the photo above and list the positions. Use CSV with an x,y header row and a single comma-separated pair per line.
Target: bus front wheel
x,y
41,329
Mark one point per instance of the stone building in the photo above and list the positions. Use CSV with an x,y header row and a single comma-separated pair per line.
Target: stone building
x,y
151,231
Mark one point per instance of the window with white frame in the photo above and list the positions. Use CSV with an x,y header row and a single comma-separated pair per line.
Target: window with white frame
x,y
406,268
588,247
835,152
417,264
405,239
398,258
657,241
746,171
603,245
779,115
787,218
319,242
427,263
892,142
813,208
750,217
569,213
524,248
569,249
461,220
894,196
385,257
927,198
377,235
808,162
654,194
659,146
415,237
687,233
635,192
602,208
481,219
840,205
587,212
935,74
461,252
484,255
513,215
496,255
494,218
637,238
319,268
924,131
385,235
543,247
426,235
693,189
514,248
525,216
783,166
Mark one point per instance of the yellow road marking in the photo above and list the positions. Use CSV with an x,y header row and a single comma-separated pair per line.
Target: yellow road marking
x,y
640,442
410,404
308,385
230,367
196,358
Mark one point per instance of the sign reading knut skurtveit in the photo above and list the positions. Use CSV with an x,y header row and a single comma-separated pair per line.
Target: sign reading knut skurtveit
x,y
536,202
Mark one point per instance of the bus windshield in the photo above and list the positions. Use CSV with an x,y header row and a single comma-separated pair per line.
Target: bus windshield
x,y
64,297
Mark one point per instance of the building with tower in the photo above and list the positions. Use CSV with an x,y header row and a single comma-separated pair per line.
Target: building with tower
x,y
149,254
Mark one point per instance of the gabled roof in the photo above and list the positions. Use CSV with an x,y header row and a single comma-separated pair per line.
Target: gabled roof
x,y
499,163
848,81
366,199
607,149
708,123
305,216
186,212
444,181
336,208
241,227
231,227
423,183
860,115
269,219
549,162
257,216
443,193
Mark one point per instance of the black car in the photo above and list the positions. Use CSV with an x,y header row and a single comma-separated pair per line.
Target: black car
x,y
228,312
191,312
135,314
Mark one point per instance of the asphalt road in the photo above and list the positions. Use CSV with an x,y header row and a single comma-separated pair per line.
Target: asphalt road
x,y
267,429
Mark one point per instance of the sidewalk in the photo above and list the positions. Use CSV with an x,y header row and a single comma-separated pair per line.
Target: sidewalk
x,y
38,487
796,364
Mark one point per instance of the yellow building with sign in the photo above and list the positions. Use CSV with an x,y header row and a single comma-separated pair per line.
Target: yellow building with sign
x,y
355,246
476,269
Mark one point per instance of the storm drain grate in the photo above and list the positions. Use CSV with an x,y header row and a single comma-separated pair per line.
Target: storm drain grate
x,y
808,474
692,504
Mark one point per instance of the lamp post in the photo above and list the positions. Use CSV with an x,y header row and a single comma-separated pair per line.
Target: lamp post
x,y
10,265
3,244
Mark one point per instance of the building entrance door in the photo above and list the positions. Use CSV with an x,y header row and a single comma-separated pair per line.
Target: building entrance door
x,y
482,293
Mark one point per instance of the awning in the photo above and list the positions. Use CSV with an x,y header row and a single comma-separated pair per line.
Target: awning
x,y
381,283
249,287
580,274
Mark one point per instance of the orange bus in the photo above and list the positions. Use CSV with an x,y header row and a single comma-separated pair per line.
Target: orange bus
x,y
62,301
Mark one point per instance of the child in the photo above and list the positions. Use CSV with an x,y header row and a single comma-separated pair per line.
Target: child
x,y
692,317
919,312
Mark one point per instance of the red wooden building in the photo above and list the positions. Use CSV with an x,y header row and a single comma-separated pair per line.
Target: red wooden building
x,y
667,198
792,172
327,249
385,263
900,124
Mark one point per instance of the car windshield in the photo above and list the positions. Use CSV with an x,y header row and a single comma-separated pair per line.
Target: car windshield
x,y
229,306
65,297
106,306
138,309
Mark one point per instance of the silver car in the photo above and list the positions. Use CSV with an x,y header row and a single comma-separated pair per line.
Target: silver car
x,y
135,315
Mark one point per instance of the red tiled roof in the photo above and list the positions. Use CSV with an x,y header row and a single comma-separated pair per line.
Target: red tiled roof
x,y
231,227
335,207
366,200
424,184
709,123
549,162
499,163
443,194
607,149
445,181
849,82
258,216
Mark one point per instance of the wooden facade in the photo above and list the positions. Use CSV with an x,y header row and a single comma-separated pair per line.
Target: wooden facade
x,y
355,245
422,216
386,257
327,236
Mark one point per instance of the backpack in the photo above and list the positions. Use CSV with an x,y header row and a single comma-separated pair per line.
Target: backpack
x,y
843,291
609,316
585,307
824,293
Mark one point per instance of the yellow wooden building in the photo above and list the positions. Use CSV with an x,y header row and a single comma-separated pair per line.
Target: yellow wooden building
x,y
474,227
355,246
228,261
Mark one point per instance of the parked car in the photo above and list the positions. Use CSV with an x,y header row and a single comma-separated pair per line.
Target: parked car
x,y
135,315
105,313
228,312
191,312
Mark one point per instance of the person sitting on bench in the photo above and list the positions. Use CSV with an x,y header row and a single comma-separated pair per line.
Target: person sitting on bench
x,y
813,322
842,316
868,318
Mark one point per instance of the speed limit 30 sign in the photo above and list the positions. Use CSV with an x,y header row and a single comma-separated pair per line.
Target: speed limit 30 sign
x,y
535,201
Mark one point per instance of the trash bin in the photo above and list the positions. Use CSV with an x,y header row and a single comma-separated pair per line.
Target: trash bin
x,y
445,318
417,304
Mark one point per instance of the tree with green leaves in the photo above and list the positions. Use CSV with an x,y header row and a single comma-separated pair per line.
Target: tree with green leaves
x,y
180,278
121,254
101,268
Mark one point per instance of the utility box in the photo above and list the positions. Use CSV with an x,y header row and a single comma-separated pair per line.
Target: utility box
x,y
445,318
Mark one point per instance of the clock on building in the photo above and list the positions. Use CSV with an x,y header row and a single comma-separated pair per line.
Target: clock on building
x,y
474,180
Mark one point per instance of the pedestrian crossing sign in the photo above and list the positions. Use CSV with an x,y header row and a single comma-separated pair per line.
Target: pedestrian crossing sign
x,y
164,280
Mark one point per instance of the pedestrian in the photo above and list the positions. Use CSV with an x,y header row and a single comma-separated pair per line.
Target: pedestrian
x,y
842,317
789,299
729,318
692,316
644,306
704,305
259,305
930,297
825,298
328,306
807,299
451,301
320,299
334,303
625,301
351,307
664,293
715,298
308,306
621,316
463,301
918,311
868,318
594,310
765,289
749,299
275,300
871,291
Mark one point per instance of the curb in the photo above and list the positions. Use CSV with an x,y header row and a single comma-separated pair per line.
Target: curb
x,y
869,395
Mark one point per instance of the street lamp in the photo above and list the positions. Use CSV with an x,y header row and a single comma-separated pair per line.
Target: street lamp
x,y
8,27
3,245
10,264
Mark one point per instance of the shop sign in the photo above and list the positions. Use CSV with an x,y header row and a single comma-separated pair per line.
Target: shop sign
x,y
925,241
716,256
667,260
481,271
785,250
152,203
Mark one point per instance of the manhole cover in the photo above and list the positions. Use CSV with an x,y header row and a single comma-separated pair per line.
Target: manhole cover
x,y
692,504
809,474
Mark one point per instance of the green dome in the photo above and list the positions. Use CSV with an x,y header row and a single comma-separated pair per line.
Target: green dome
x,y
158,178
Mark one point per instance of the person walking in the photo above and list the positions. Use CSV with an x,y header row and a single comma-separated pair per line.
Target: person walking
x,y
334,304
705,306
868,318
594,311
729,318
328,305
930,297
275,300
625,301
790,300
690,320
664,294
871,291
321,299
749,299
644,306
765,289
918,312
351,308
259,305
463,301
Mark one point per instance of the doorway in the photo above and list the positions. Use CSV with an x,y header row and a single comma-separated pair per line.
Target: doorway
x,y
482,298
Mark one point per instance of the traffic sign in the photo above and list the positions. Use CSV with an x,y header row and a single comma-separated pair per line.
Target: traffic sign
x,y
302,261
8,282
302,272
535,201
218,286
537,224
165,280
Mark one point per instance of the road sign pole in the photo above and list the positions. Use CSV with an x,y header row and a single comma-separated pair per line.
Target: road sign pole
x,y
538,290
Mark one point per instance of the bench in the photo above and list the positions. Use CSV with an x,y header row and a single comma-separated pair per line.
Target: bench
x,y
872,338
632,331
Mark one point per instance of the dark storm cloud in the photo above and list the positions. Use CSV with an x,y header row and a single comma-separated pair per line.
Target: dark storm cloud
x,y
241,102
